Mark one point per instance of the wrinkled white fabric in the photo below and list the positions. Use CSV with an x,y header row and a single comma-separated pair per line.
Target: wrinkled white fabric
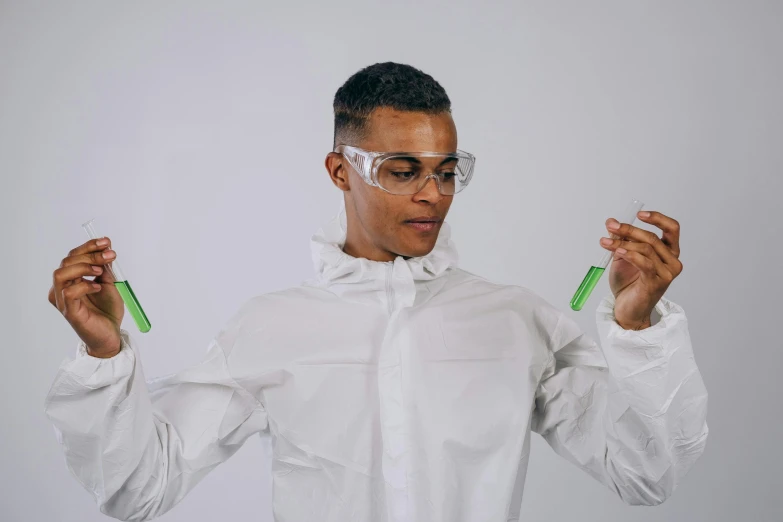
x,y
397,391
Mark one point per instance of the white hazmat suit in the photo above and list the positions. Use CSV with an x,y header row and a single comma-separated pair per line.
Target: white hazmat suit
x,y
392,391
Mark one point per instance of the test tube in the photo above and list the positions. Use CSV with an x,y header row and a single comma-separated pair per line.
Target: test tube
x,y
123,286
596,271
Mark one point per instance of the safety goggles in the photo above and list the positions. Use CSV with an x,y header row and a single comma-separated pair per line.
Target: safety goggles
x,y
406,173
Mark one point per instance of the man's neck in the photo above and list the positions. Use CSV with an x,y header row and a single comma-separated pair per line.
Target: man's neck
x,y
366,250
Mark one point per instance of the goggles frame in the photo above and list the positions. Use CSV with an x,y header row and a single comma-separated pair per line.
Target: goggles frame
x,y
367,162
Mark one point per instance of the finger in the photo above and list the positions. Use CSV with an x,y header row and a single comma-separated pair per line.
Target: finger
x,y
55,292
627,231
91,246
670,228
64,278
99,258
75,292
650,269
644,257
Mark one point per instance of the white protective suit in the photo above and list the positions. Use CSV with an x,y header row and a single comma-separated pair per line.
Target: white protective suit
x,y
393,391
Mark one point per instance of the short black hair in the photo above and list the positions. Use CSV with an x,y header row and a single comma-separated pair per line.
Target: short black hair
x,y
388,84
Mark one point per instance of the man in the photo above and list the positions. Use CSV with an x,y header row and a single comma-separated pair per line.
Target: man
x,y
395,386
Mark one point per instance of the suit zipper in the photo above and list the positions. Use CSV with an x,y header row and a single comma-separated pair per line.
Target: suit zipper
x,y
389,289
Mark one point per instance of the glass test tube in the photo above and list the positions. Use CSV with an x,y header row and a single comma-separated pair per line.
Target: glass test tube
x,y
123,286
596,271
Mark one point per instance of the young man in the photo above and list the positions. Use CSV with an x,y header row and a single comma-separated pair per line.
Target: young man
x,y
395,386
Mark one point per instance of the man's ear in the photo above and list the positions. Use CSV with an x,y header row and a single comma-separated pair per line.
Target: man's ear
x,y
338,170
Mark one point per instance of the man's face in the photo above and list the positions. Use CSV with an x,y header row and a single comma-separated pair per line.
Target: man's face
x,y
377,221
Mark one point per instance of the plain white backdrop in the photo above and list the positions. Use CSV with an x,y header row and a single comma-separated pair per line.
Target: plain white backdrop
x,y
195,133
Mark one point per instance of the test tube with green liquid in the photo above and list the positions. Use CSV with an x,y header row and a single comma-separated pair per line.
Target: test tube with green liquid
x,y
123,286
596,271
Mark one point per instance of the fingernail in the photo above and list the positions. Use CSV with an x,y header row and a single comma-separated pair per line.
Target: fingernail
x,y
606,241
96,269
614,225
108,254
644,214
103,242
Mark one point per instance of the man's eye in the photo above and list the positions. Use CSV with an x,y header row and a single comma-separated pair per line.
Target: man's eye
x,y
403,175
448,175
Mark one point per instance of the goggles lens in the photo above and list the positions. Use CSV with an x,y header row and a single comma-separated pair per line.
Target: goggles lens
x,y
408,174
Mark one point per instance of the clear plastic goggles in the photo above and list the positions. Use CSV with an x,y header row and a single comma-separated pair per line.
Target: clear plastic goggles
x,y
406,173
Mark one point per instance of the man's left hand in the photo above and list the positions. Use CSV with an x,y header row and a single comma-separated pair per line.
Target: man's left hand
x,y
643,267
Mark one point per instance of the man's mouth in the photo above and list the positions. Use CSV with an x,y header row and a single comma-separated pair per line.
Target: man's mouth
x,y
423,224
424,219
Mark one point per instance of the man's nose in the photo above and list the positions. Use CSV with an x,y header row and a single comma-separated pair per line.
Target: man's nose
x,y
430,190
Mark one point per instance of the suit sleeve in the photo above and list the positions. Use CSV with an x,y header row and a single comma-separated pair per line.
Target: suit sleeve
x,y
139,447
631,412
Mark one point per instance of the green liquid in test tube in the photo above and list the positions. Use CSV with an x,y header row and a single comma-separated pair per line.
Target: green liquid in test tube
x,y
596,271
123,287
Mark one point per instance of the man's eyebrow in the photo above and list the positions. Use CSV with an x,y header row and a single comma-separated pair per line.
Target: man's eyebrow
x,y
416,160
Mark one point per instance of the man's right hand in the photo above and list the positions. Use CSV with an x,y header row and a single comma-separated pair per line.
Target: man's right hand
x,y
94,314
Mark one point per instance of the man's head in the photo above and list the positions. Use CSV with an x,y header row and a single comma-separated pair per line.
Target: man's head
x,y
390,107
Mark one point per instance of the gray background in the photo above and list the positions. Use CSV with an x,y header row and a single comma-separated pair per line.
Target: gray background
x,y
195,134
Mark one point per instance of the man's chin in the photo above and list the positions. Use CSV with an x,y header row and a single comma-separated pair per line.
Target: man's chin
x,y
413,243
416,250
